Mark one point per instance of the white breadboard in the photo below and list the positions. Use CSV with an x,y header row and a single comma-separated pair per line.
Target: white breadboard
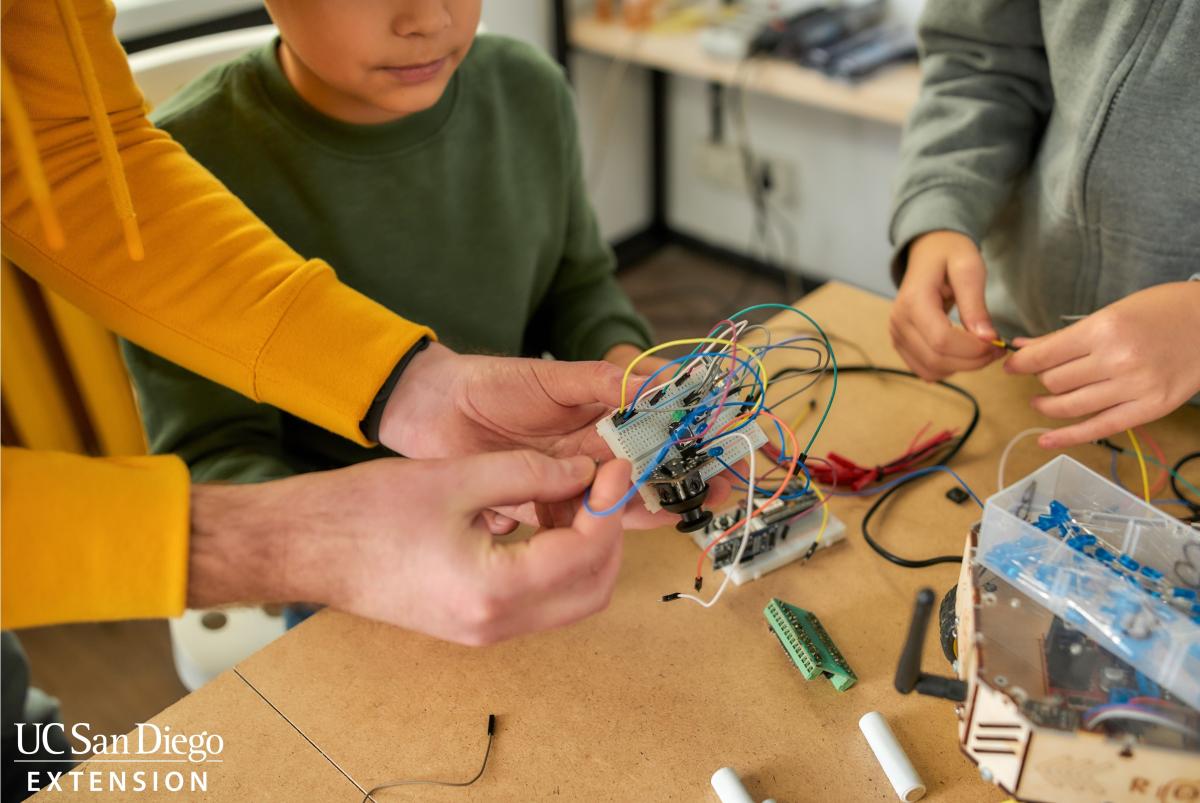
x,y
801,535
641,437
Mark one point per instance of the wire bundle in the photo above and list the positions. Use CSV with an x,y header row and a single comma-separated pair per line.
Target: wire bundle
x,y
711,395
836,470
722,372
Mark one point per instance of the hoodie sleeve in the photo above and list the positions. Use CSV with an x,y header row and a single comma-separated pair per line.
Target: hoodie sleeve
x,y
216,291
985,98
89,539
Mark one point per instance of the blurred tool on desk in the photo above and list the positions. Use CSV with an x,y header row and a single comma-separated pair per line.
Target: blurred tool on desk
x,y
848,40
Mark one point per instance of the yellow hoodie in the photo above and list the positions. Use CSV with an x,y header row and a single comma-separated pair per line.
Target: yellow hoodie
x,y
156,249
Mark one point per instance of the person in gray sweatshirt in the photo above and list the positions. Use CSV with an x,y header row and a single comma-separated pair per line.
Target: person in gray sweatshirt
x,y
1050,187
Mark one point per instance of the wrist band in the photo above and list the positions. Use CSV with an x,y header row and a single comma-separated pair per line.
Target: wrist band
x,y
374,417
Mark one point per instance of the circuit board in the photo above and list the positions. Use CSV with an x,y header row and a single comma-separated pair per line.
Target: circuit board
x,y
638,436
808,644
781,534
1068,681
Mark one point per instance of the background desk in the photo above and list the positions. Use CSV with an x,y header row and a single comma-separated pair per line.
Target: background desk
x,y
886,96
644,701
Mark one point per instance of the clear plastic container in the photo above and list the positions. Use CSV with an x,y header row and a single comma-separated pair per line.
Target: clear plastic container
x,y
1124,573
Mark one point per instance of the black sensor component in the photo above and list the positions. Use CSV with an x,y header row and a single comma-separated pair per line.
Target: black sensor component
x,y
957,495
682,491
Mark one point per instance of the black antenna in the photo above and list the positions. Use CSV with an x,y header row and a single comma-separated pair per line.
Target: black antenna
x,y
908,674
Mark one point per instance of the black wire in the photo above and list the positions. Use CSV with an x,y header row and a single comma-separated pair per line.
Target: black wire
x,y
955,447
1177,469
491,735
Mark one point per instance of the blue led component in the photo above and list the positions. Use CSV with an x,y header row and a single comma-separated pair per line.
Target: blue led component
x,y
1059,522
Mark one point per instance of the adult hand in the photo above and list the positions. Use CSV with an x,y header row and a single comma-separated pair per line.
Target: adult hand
x,y
945,270
451,405
403,541
1131,362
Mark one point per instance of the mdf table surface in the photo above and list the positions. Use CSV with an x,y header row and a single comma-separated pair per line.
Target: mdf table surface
x,y
645,700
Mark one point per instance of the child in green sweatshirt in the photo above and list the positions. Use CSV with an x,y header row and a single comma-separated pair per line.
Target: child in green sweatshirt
x,y
437,171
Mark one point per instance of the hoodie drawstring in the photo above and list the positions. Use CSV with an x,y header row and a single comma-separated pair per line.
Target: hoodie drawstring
x,y
27,158
114,170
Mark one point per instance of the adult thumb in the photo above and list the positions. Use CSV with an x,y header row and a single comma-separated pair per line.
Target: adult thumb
x,y
495,479
968,278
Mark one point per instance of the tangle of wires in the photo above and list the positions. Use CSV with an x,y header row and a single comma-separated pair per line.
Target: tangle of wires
x,y
1168,475
709,397
937,450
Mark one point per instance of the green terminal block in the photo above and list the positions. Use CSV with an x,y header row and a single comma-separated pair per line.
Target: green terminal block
x,y
808,645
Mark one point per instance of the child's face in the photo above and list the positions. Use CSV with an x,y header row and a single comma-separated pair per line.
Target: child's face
x,y
373,61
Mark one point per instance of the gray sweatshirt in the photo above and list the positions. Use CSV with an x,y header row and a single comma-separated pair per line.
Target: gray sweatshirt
x,y
1064,137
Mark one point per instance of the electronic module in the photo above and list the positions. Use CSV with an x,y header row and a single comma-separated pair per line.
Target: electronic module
x,y
1075,634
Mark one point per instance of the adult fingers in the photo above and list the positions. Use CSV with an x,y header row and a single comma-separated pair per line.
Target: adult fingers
x,y
559,607
558,558
555,514
497,479
498,523
578,383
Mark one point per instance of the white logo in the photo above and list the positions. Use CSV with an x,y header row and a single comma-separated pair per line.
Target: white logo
x,y
147,744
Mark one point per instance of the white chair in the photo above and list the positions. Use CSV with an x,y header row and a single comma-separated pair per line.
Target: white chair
x,y
206,643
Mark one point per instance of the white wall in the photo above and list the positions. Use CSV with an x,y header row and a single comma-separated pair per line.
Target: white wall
x,y
522,19
843,165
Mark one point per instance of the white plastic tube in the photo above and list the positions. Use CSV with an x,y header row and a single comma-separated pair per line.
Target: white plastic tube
x,y
892,758
728,786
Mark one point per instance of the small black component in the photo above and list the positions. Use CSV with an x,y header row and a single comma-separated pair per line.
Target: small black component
x,y
760,542
1073,662
957,495
682,490
699,583
669,597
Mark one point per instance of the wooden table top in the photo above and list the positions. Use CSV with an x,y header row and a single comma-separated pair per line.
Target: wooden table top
x,y
646,700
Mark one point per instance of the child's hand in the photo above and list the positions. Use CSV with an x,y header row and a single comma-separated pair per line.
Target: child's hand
x,y
945,269
1131,362
626,353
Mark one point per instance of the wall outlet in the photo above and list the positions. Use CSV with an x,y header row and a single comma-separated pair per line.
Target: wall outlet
x,y
720,165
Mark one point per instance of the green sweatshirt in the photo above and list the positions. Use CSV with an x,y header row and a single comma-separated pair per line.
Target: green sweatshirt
x,y
1062,137
470,217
